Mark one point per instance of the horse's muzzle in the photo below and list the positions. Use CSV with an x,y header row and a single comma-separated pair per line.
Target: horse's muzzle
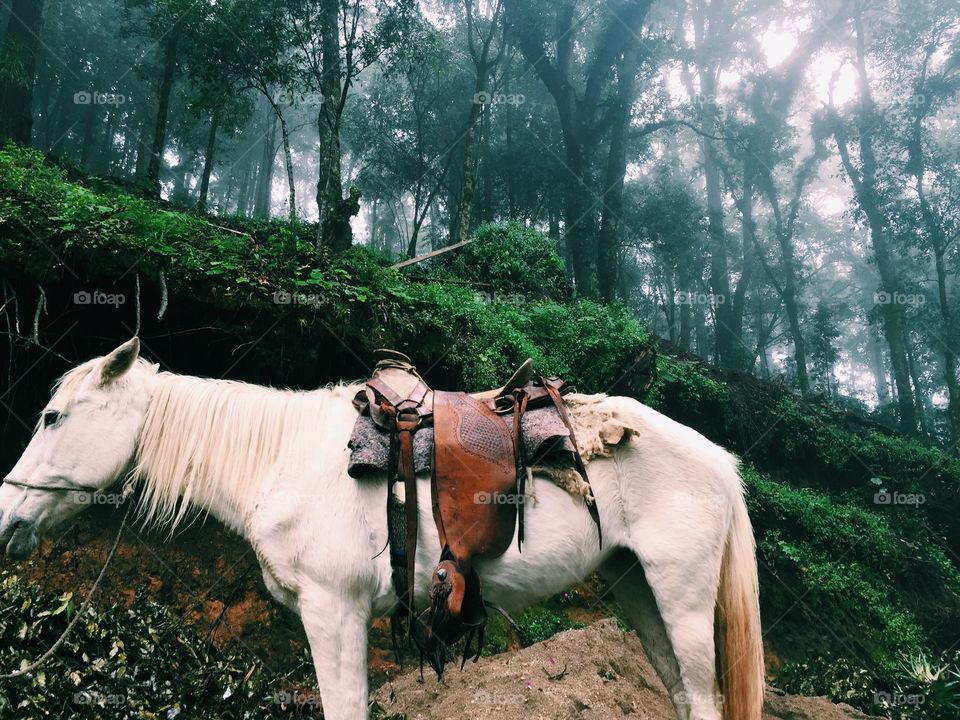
x,y
20,538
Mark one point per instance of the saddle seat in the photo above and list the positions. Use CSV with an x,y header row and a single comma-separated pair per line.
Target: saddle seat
x,y
478,478
395,372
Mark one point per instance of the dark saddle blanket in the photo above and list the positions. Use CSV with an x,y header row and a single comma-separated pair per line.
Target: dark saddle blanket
x,y
479,450
545,438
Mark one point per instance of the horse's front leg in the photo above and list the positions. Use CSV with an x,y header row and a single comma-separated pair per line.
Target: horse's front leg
x,y
336,623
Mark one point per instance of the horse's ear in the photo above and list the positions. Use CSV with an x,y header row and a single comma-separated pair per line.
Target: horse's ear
x,y
119,361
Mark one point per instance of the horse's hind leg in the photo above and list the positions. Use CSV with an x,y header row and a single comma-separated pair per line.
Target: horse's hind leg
x,y
678,642
336,626
625,578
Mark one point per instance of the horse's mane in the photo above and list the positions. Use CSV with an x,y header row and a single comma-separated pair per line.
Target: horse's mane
x,y
210,441
214,442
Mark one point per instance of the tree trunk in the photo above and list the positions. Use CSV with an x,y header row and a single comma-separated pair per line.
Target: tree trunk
x,y
878,367
208,160
578,116
90,122
892,315
508,136
917,392
243,191
52,114
163,107
482,67
684,285
181,186
18,54
700,330
611,215
374,223
949,354
868,198
261,208
726,340
580,220
333,231
939,242
105,156
739,354
144,142
469,161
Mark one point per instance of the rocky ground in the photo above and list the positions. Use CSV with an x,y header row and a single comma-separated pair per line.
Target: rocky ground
x,y
599,672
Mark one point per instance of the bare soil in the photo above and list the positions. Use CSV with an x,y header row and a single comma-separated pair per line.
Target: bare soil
x,y
597,673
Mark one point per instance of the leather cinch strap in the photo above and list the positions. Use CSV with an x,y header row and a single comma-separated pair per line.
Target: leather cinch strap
x,y
553,389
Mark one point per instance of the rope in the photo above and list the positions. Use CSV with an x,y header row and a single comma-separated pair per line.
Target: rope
x,y
83,609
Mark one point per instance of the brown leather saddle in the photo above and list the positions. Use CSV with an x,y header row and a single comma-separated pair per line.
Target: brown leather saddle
x,y
478,480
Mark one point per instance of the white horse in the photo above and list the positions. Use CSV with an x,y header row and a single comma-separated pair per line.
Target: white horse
x,y
678,548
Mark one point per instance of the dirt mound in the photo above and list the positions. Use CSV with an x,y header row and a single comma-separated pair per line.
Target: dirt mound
x,y
599,672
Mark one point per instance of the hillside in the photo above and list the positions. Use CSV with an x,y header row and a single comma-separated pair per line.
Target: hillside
x,y
597,673
854,590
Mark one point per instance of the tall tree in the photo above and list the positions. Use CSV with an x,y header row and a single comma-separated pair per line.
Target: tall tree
x,y
869,197
18,61
486,55
560,60
331,49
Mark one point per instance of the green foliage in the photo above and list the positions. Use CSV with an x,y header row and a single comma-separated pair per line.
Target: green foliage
x,y
476,339
136,662
510,260
916,689
843,572
844,561
839,679
848,586
44,218
924,689
542,622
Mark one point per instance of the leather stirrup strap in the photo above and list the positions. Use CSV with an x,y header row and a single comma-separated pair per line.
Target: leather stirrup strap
x,y
407,423
520,398
577,459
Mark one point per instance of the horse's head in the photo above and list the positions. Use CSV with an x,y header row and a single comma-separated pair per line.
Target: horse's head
x,y
85,440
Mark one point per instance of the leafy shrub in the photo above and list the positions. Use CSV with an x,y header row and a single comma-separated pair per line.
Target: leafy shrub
x,y
509,260
136,662
541,622
879,577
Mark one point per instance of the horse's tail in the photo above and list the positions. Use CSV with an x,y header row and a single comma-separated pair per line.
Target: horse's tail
x,y
739,644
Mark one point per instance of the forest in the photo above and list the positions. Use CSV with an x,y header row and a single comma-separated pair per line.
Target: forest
x,y
763,196
770,186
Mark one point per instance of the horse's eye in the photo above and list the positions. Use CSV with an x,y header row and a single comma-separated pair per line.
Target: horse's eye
x,y
51,418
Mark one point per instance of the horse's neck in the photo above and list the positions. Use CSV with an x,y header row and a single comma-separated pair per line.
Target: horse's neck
x,y
209,445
